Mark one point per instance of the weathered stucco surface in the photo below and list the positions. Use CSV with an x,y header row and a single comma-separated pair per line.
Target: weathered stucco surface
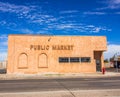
x,y
40,54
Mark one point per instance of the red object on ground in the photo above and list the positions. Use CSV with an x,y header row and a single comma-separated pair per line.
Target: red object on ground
x,y
103,70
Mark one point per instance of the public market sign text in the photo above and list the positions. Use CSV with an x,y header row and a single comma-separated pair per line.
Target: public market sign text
x,y
53,47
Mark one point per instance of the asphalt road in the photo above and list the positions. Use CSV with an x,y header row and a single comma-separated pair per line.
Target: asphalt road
x,y
36,85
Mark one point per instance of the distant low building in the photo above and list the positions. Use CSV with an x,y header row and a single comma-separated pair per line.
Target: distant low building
x,y
3,64
116,61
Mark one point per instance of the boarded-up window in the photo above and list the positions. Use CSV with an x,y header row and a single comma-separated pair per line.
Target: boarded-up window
x,y
23,61
42,61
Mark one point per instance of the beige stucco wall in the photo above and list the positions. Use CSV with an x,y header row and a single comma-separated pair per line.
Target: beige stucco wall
x,y
24,57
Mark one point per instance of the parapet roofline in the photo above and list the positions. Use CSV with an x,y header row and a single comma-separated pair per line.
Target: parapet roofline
x,y
55,35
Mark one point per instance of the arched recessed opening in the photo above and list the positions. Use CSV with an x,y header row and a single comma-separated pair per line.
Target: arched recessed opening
x,y
23,61
43,61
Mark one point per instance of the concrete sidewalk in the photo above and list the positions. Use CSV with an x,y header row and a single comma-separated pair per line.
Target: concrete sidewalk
x,y
55,75
66,93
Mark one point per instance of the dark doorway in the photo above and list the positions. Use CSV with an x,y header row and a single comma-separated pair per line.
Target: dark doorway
x,y
98,65
97,57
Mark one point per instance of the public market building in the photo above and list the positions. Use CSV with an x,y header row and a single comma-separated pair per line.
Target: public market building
x,y
31,54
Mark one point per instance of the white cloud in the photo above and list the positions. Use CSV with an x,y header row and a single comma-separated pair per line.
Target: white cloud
x,y
117,13
110,4
114,2
3,22
65,26
27,31
7,7
4,43
94,13
69,11
21,11
44,32
112,50
30,12
7,24
3,36
40,19
33,16
98,29
78,27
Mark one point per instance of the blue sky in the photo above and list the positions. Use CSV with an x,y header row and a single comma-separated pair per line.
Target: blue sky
x,y
61,17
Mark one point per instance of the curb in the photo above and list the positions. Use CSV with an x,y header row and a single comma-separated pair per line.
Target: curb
x,y
54,75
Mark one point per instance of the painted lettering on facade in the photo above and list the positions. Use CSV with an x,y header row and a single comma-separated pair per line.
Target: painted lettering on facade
x,y
62,47
53,47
